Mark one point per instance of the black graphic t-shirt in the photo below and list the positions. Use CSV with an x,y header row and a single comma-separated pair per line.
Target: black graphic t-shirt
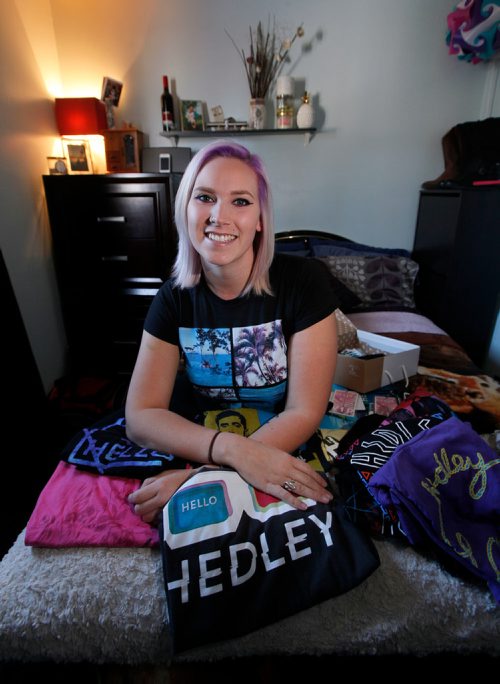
x,y
236,351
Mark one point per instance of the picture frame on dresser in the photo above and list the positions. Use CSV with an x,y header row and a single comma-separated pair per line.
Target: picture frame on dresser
x,y
57,165
78,155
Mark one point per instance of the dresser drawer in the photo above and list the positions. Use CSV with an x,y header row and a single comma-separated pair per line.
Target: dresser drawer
x,y
121,259
105,325
129,312
131,216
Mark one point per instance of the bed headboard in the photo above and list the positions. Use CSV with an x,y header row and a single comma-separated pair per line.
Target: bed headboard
x,y
371,278
304,236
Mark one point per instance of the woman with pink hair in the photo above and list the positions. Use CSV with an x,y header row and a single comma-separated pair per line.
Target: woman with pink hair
x,y
254,329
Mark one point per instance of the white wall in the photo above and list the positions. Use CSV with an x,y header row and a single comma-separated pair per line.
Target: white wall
x,y
383,81
26,133
385,89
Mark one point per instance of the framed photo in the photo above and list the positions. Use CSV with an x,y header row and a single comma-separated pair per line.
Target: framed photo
x,y
58,166
217,114
78,155
192,115
111,91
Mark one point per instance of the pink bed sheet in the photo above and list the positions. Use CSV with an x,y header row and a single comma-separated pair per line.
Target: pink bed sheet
x,y
381,322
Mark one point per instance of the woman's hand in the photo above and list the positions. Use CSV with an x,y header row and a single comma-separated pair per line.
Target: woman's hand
x,y
271,470
265,467
153,494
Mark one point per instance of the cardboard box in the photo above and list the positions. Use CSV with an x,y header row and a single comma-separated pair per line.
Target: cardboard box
x,y
400,360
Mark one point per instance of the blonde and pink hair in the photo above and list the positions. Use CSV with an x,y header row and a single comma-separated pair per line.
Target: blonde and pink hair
x,y
188,267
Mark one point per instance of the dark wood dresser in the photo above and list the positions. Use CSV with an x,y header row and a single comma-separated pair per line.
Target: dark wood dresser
x,y
114,243
457,245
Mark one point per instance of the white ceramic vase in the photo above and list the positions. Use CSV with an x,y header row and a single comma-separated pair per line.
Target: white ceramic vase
x,y
257,115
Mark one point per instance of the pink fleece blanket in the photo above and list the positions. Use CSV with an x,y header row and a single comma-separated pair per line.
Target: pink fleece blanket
x,y
77,508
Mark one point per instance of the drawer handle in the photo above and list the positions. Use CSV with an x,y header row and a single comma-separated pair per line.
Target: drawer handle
x,y
118,257
140,291
152,281
111,219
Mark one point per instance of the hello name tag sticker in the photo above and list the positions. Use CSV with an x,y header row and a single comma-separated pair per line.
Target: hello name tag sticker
x,y
198,506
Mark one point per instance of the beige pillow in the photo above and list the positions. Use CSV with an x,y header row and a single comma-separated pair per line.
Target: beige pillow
x,y
347,333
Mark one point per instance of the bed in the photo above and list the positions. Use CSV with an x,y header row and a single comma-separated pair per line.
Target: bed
x,y
105,603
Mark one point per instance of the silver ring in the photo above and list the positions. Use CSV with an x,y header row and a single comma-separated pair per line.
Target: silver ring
x,y
290,485
212,220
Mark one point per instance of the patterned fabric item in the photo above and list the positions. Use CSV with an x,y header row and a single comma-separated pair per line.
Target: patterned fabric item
x,y
76,508
347,333
474,396
445,487
241,421
367,456
381,280
236,559
419,403
245,421
369,452
346,298
104,448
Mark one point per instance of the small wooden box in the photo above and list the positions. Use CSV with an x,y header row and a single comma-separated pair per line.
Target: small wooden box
x,y
123,150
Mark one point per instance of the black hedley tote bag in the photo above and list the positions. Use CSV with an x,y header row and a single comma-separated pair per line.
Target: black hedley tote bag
x,y
236,559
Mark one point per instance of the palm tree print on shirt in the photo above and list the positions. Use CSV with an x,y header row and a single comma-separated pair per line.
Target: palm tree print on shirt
x,y
259,355
208,355
250,356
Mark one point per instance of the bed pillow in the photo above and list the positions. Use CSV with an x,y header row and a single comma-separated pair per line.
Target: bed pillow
x,y
380,282
347,300
347,333
236,559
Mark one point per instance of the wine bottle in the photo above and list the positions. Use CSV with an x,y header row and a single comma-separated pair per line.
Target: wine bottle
x,y
167,107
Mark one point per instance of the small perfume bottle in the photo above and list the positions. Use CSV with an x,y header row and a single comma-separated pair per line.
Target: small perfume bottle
x,y
284,102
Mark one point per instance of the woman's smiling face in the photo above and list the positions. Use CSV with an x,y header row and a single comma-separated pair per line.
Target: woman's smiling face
x,y
223,213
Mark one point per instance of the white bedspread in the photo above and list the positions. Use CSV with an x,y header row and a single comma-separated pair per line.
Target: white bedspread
x,y
108,606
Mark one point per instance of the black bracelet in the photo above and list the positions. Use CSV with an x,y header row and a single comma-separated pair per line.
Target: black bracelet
x,y
211,448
